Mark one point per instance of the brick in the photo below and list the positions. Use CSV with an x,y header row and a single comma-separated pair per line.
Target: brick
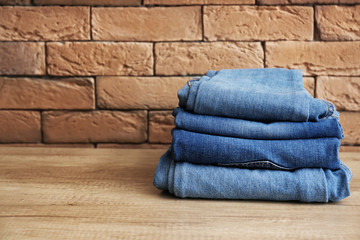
x,y
20,127
288,2
139,92
133,146
349,149
89,2
94,126
47,23
21,58
349,1
15,2
195,2
258,23
338,22
147,24
344,92
160,125
309,84
99,58
197,58
42,145
315,58
350,122
39,93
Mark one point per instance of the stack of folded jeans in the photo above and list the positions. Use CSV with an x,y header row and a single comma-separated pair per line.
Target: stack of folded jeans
x,y
254,134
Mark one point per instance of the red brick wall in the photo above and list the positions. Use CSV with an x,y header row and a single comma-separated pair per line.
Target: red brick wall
x,y
105,73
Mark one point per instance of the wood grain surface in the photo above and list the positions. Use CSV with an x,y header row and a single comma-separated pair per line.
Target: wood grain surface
x,y
48,193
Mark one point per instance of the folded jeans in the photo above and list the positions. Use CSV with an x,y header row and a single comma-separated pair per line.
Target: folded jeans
x,y
267,95
188,180
239,128
278,154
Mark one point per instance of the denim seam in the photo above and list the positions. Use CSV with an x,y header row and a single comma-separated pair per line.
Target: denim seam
x,y
264,163
337,149
330,110
196,94
327,104
346,171
181,184
326,187
192,80
171,180
187,97
189,84
341,130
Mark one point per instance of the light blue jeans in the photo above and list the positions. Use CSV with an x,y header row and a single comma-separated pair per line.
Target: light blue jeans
x,y
266,95
239,128
188,180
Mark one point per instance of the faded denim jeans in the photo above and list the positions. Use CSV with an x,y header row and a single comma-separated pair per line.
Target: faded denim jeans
x,y
275,154
188,180
267,95
239,128
254,134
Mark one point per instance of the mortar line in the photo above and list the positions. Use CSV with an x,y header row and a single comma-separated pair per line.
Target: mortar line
x,y
154,60
202,23
315,83
316,37
148,126
90,19
46,59
264,51
42,126
95,93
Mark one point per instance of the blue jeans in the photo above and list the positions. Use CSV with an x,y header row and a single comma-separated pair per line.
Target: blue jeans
x,y
273,154
266,95
188,180
239,128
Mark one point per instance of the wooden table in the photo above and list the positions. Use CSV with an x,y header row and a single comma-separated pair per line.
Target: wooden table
x,y
51,193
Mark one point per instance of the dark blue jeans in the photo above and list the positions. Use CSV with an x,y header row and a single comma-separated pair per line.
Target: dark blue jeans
x,y
274,154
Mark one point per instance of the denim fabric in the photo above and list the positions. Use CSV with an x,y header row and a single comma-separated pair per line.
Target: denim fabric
x,y
282,154
232,127
268,95
198,181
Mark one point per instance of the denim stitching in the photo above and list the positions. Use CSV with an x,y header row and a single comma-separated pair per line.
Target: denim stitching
x,y
331,109
327,104
189,83
256,164
198,89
